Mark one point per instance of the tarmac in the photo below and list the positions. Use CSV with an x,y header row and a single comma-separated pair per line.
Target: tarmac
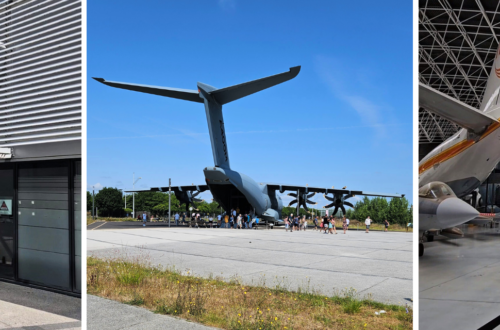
x,y
108,314
27,308
460,282
377,265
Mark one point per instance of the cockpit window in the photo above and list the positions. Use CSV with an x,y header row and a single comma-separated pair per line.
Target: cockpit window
x,y
435,190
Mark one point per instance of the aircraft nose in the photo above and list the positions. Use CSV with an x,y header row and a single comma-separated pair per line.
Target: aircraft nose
x,y
453,211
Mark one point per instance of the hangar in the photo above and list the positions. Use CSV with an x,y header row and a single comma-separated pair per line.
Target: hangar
x,y
40,143
458,41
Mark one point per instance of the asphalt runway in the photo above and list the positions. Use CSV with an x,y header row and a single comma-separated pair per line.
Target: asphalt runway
x,y
378,265
460,281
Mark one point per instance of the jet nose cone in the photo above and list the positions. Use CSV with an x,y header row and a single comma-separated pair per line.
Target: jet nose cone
x,y
453,211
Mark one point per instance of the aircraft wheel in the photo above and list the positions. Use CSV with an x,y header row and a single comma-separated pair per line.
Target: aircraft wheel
x,y
430,238
420,249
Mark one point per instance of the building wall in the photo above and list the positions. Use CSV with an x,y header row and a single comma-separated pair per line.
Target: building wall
x,y
40,73
40,127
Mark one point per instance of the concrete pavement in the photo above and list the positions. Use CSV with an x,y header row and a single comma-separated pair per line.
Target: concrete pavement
x,y
27,308
460,281
108,314
377,264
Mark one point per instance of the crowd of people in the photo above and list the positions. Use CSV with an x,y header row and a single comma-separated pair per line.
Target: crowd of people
x,y
325,224
236,220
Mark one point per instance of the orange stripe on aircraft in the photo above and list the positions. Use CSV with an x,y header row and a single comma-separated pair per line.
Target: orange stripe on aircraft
x,y
455,149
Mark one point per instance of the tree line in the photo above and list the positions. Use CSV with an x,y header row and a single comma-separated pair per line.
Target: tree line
x,y
111,203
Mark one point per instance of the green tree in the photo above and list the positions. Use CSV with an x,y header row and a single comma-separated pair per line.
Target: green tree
x,y
109,202
89,201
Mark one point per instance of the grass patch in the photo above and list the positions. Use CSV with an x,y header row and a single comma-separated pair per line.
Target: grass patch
x,y
231,305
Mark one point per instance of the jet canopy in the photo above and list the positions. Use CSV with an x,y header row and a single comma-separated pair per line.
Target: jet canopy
x,y
435,190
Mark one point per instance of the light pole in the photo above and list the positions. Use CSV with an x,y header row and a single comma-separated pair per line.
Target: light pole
x,y
93,208
169,192
134,181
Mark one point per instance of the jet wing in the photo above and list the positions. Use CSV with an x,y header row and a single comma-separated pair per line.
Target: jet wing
x,y
282,188
455,111
199,188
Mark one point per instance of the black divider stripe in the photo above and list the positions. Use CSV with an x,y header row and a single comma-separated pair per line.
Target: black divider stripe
x,y
493,324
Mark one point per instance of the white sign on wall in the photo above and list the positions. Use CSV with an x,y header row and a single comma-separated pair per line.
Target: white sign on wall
x,y
6,206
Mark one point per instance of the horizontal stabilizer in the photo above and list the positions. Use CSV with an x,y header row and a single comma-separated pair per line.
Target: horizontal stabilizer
x,y
455,111
177,93
232,93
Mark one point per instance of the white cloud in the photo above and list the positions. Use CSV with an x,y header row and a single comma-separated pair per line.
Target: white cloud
x,y
344,88
227,4
96,186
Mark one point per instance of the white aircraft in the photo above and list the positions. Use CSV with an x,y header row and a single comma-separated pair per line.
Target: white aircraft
x,y
465,160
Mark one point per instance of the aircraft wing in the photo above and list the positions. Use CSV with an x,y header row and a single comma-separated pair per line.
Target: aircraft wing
x,y
199,188
455,111
282,188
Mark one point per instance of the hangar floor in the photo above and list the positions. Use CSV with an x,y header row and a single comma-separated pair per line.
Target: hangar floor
x,y
460,281
377,264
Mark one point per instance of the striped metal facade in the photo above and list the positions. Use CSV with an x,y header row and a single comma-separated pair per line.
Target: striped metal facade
x,y
40,71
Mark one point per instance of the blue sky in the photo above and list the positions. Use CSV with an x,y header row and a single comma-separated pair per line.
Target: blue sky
x,y
345,120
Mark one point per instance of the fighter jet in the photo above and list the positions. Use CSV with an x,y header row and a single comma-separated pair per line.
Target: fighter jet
x,y
232,189
466,159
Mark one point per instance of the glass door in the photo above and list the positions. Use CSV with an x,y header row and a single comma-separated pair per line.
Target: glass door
x,y
7,224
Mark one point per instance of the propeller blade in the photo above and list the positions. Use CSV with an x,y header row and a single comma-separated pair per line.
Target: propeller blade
x,y
197,200
196,194
331,199
305,207
343,209
328,206
335,210
292,202
311,202
311,195
348,204
292,194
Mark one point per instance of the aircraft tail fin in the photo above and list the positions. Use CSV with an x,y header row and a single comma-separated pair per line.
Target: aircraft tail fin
x,y
213,99
491,94
232,93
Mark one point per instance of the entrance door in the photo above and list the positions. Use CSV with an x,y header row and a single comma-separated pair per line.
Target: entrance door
x,y
7,226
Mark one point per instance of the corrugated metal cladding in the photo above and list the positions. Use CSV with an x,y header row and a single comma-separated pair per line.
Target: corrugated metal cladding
x,y
40,71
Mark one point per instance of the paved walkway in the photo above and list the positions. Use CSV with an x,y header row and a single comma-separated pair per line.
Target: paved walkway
x,y
460,281
26,308
377,264
110,315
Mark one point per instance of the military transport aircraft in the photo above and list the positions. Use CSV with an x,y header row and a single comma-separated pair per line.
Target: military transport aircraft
x,y
465,160
232,189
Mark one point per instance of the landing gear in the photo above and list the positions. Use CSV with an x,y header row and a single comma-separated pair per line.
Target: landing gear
x,y
421,249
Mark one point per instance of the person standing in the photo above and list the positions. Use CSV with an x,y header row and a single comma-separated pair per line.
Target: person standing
x,y
325,224
226,220
334,229
386,223
249,217
368,222
344,224
286,224
315,222
238,224
347,221
219,218
144,219
176,217
183,218
305,223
